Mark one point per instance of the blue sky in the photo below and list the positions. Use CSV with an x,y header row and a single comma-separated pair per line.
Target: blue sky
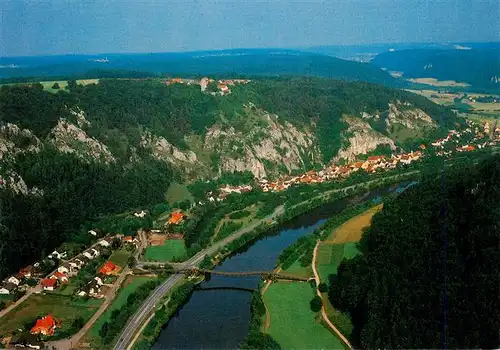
x,y
38,27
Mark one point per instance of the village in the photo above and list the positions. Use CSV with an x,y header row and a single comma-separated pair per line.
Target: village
x,y
36,279
222,86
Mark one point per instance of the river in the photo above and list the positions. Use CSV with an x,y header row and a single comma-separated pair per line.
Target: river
x,y
218,312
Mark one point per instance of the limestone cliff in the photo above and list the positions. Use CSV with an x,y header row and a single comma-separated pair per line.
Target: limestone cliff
x,y
69,138
261,144
360,138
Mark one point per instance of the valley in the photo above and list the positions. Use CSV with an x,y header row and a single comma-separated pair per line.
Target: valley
x,y
203,174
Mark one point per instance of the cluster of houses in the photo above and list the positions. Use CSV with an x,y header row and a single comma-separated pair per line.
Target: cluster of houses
x,y
222,85
370,165
94,288
71,267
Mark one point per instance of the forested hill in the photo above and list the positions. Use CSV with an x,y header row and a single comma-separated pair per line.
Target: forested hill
x,y
479,67
428,274
69,157
248,62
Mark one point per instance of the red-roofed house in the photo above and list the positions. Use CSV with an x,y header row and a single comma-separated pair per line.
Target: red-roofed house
x,y
49,283
62,277
45,325
176,218
375,159
109,268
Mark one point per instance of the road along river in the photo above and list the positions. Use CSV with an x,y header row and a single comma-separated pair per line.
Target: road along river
x,y
217,315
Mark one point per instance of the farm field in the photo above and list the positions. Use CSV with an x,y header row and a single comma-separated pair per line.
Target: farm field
x,y
352,229
63,308
293,325
440,83
129,286
331,255
120,257
172,248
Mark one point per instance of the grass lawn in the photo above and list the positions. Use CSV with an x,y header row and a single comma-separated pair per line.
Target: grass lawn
x,y
177,192
173,248
352,229
293,325
129,286
300,270
120,257
63,308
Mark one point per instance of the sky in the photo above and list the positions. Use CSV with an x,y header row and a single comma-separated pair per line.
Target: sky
x,y
38,27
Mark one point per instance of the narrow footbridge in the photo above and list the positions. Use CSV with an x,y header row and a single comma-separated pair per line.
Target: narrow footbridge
x,y
268,275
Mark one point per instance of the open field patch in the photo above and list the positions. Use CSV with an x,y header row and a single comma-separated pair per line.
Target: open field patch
x,y
120,257
156,239
171,249
297,269
177,192
440,83
292,323
352,229
64,309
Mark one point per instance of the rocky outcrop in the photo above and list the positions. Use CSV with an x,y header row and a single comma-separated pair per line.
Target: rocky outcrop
x,y
15,182
69,138
406,115
361,139
81,121
262,145
14,140
163,150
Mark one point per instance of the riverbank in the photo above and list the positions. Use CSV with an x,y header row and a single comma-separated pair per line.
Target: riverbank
x,y
242,240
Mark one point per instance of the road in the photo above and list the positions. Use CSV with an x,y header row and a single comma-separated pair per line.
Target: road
x,y
69,343
323,311
148,306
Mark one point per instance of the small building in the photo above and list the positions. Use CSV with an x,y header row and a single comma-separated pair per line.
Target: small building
x,y
61,277
176,218
56,255
92,233
104,243
27,271
7,288
109,268
141,214
49,283
45,325
92,289
14,280
64,268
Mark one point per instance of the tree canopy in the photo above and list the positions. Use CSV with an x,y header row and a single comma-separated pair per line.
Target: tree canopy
x,y
428,273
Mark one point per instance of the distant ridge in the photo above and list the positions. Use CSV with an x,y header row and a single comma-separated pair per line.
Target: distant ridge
x,y
248,62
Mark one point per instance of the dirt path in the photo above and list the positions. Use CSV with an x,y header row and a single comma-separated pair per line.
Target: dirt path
x,y
323,311
72,342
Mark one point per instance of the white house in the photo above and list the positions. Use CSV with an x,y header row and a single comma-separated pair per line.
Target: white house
x,y
76,264
95,252
92,233
57,255
14,280
140,215
104,243
7,288
98,280
64,268
88,254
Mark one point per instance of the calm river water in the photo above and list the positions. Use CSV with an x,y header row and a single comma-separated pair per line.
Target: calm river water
x,y
218,314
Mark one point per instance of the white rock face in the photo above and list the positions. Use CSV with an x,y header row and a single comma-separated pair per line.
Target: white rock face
x,y
266,143
15,182
80,117
412,118
164,150
362,139
14,140
69,138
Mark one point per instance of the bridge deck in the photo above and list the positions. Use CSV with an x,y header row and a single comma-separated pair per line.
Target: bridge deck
x,y
265,274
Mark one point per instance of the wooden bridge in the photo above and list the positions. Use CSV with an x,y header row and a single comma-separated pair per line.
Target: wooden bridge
x,y
267,275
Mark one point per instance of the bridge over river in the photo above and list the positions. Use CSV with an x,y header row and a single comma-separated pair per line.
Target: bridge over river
x,y
268,275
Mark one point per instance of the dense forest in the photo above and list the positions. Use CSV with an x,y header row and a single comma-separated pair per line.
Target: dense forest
x,y
74,194
428,273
